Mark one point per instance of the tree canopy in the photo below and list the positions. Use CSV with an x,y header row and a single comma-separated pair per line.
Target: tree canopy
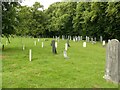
x,y
91,19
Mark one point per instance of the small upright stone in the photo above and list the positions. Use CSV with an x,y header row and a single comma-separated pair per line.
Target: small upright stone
x,y
84,44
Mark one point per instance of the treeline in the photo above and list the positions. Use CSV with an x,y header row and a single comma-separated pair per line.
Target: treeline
x,y
91,19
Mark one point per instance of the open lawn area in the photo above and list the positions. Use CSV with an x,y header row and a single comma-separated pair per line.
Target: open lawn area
x,y
84,68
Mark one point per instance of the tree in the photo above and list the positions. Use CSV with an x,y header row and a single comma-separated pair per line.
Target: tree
x,y
9,18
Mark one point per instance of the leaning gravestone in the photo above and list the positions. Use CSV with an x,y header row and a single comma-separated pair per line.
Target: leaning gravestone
x,y
112,71
53,47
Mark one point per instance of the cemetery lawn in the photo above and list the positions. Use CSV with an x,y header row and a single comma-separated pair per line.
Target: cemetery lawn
x,y
84,68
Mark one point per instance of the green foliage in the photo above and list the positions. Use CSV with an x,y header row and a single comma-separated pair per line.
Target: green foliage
x,y
93,19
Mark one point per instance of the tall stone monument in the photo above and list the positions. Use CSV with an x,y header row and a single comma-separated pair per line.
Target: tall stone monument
x,y
112,71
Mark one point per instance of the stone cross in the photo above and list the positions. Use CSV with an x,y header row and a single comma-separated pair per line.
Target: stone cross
x,y
112,70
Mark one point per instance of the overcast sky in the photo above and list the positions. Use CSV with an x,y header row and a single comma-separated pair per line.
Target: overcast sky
x,y
45,3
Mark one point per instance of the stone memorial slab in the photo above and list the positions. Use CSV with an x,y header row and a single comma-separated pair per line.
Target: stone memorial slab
x,y
84,44
56,44
53,47
42,44
30,55
103,43
66,46
101,39
112,69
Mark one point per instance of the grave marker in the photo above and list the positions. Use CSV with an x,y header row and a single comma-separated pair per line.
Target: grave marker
x,y
66,46
35,43
56,44
65,54
84,44
42,44
103,43
30,55
53,47
112,70
23,47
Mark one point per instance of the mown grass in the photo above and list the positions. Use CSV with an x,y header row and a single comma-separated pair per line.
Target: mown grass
x,y
84,68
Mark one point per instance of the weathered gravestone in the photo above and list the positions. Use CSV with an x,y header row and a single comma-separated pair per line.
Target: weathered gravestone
x,y
101,39
112,71
65,54
84,44
68,43
53,47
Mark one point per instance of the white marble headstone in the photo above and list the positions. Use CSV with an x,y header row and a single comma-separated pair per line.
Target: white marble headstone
x,y
66,46
42,44
84,44
56,44
103,43
30,55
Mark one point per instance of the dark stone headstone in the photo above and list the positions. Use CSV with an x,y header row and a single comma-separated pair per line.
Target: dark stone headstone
x,y
112,71
53,47
68,43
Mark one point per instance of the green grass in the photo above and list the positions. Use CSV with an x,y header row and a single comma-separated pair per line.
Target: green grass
x,y
84,68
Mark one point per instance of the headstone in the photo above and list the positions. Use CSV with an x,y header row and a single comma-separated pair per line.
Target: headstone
x,y
68,43
53,37
42,44
103,43
81,37
23,47
53,47
84,44
56,44
70,38
56,38
65,54
62,37
91,39
108,40
38,40
74,39
35,43
112,70
101,39
95,39
88,39
30,55
66,46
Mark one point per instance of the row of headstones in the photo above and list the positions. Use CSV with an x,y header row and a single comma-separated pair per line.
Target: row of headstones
x,y
77,38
